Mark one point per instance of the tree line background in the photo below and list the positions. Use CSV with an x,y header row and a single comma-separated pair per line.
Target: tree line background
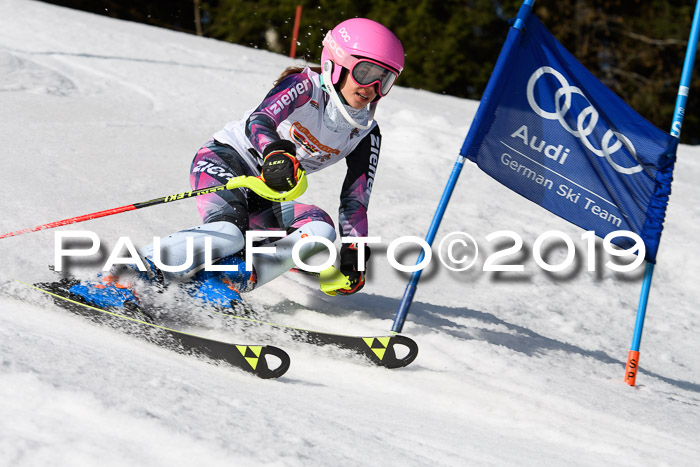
x,y
635,47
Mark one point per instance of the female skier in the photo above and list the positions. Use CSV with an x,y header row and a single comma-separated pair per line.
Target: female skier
x,y
312,118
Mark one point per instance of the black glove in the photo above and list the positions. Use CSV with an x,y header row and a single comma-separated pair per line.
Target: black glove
x,y
280,165
349,267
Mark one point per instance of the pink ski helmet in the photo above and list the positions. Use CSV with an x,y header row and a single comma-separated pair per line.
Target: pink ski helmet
x,y
367,49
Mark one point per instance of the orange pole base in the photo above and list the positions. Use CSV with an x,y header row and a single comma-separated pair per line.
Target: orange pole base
x,y
632,365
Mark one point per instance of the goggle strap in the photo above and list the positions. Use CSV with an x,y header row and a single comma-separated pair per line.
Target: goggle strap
x,y
326,74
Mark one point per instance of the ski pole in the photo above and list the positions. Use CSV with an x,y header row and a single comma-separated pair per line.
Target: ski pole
x,y
253,183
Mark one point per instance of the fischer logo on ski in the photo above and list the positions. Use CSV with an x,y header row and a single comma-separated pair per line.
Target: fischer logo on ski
x,y
378,345
251,353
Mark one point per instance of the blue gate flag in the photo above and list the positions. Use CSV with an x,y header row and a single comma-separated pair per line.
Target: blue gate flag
x,y
552,132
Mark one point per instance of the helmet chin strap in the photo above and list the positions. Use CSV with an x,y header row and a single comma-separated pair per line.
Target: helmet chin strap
x,y
328,82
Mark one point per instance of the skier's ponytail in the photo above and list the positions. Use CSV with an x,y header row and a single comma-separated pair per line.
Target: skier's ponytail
x,y
293,70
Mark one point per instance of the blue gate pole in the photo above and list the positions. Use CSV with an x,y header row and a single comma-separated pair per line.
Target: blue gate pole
x,y
678,114
429,238
410,291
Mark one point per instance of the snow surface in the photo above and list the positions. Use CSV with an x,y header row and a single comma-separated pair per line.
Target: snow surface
x,y
514,369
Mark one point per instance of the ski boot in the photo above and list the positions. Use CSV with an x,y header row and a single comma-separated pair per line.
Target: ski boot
x,y
223,289
108,293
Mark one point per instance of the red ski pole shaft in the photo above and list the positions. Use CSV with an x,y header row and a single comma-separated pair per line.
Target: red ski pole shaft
x,y
110,212
72,220
253,183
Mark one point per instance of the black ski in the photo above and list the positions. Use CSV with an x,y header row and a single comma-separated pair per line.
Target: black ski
x,y
379,350
250,358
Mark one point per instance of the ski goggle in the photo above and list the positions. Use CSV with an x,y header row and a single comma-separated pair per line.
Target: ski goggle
x,y
367,72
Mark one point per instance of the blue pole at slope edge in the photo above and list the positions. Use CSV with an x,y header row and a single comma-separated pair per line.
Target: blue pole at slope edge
x,y
678,115
429,238
407,300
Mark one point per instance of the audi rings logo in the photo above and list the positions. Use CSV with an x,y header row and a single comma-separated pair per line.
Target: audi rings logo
x,y
585,122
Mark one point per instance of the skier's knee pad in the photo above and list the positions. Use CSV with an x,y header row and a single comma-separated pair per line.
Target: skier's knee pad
x,y
314,229
175,259
271,265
